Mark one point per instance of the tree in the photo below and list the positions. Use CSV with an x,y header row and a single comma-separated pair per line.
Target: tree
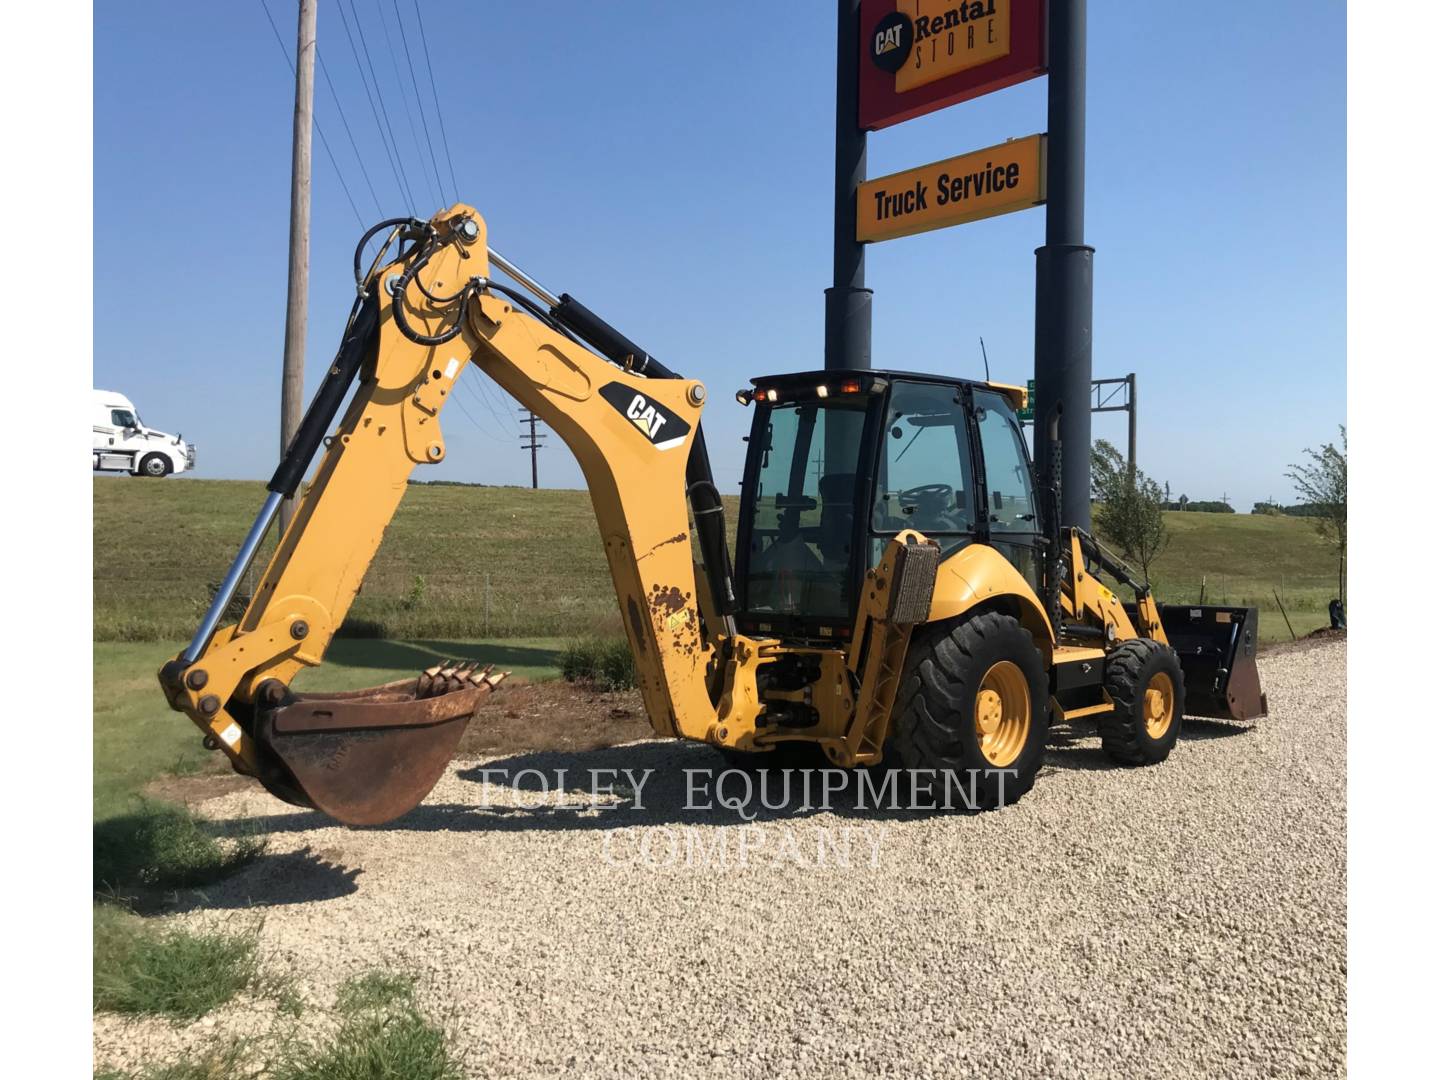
x,y
1320,483
1130,511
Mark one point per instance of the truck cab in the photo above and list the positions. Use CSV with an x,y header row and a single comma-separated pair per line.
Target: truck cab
x,y
841,463
120,441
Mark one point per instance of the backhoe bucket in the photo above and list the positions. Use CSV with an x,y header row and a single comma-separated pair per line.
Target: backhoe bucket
x,y
368,756
1216,646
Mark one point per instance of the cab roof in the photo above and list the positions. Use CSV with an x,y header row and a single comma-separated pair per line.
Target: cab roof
x,y
1017,395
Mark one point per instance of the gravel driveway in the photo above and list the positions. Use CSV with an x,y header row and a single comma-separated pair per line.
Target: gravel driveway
x,y
1180,920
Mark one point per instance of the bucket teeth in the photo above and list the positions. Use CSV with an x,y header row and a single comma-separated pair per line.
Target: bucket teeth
x,y
450,676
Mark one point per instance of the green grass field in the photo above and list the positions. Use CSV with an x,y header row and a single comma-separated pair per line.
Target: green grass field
x,y
468,563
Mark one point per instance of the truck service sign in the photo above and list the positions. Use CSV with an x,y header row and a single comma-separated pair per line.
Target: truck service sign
x,y
985,183
917,56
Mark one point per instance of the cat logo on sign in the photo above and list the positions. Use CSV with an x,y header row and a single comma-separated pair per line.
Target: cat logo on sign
x,y
922,55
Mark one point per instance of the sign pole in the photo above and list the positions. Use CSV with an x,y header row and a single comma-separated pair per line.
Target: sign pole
x,y
1064,269
847,302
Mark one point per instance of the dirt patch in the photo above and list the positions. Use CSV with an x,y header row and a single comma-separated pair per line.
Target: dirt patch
x,y
193,790
554,716
1326,635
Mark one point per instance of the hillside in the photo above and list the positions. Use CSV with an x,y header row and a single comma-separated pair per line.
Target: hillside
x,y
470,562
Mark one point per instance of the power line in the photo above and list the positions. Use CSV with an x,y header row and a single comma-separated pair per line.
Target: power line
x,y
470,416
340,109
485,398
400,85
318,129
419,103
390,154
439,116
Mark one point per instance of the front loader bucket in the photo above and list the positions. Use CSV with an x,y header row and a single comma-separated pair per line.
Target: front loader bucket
x,y
1216,646
368,756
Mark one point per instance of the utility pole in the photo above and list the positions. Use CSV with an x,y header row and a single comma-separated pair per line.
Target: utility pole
x,y
1064,269
847,302
292,380
534,445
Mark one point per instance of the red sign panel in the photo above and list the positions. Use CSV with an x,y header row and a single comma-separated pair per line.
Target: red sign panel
x,y
917,56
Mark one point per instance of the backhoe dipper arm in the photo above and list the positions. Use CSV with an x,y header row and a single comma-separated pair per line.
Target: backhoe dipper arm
x,y
419,322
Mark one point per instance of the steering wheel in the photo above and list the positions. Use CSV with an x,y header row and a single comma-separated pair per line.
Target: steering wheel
x,y
931,493
934,503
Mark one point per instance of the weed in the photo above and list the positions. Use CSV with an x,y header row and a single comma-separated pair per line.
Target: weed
x,y
222,1063
374,990
383,1035
165,846
139,968
183,765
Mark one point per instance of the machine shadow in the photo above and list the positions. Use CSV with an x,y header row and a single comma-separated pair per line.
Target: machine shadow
x,y
668,783
676,783
1076,745
296,877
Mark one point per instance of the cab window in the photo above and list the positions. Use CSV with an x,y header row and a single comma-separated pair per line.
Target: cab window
x,y
802,522
924,481
123,418
1007,472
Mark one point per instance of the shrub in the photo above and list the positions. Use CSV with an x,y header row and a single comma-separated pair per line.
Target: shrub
x,y
604,662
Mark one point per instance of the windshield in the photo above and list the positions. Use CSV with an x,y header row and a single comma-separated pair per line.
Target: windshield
x,y
924,480
802,516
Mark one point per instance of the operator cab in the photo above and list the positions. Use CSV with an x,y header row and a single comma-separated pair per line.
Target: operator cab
x,y
839,462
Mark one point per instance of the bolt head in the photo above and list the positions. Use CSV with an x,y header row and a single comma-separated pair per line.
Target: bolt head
x,y
299,629
197,679
209,704
696,394
469,230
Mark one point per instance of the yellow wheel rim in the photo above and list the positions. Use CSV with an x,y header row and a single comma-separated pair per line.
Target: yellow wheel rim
x,y
1002,713
1159,705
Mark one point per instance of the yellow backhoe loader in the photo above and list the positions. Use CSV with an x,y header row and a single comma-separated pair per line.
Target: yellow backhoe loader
x,y
902,591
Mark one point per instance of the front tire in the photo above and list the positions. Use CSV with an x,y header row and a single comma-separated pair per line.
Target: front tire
x,y
1147,685
155,466
972,706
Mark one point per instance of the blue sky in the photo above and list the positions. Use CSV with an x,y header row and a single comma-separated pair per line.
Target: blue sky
x,y
670,165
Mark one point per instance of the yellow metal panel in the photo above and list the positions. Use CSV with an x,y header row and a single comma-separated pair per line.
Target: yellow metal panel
x,y
978,573
952,36
996,180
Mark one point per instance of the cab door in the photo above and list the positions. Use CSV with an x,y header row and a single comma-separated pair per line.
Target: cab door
x,y
1011,515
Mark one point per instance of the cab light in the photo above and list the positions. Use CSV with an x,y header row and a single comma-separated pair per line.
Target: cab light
x,y
850,386
772,395
822,391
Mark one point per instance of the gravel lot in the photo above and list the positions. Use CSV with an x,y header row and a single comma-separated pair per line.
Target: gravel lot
x,y
1179,920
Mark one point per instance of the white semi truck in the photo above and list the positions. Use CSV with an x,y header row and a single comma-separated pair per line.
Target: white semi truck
x,y
122,442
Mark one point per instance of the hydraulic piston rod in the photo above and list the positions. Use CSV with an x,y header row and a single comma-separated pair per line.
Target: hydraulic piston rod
x,y
242,562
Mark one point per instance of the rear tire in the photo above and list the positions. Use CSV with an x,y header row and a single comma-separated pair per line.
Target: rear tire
x,y
973,707
155,466
1144,680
